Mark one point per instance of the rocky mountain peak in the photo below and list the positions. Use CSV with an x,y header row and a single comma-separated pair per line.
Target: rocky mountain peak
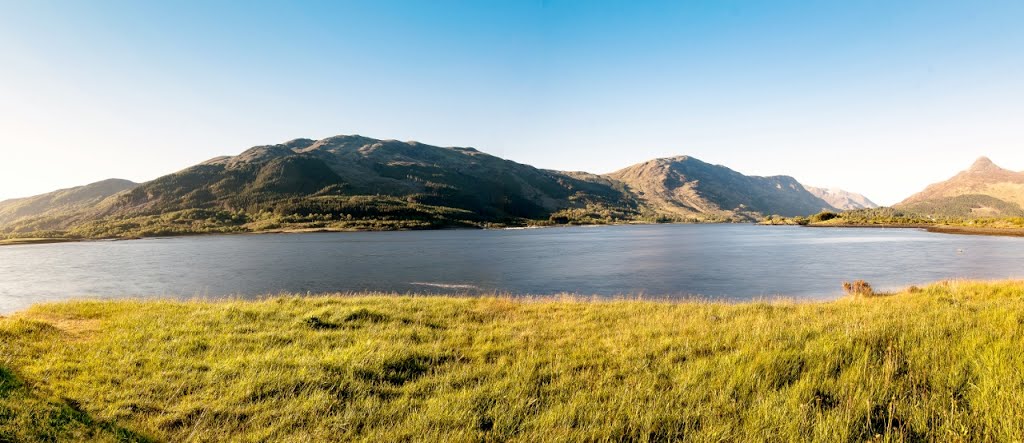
x,y
983,164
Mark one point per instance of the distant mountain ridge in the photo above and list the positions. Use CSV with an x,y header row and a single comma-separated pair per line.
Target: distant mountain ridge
x,y
840,199
982,190
689,187
356,182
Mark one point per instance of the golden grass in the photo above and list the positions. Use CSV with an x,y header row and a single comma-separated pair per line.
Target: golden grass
x,y
941,363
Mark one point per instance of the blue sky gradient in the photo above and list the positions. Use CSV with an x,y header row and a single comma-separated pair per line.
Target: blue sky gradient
x,y
878,97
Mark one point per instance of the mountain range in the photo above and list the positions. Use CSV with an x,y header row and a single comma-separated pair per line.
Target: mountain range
x,y
840,199
355,182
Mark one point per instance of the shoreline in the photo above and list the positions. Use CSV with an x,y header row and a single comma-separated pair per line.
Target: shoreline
x,y
999,232
557,297
881,226
566,297
28,241
939,229
37,241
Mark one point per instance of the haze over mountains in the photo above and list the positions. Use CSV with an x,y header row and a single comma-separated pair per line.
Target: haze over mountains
x,y
62,202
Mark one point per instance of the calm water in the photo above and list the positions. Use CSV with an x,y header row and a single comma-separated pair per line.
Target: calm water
x,y
713,261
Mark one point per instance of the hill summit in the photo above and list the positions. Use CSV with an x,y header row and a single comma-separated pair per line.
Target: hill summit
x,y
689,187
982,190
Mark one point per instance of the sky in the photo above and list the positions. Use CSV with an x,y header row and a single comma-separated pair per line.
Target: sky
x,y
876,97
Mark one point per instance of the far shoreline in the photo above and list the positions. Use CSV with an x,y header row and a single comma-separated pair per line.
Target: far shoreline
x,y
939,229
38,241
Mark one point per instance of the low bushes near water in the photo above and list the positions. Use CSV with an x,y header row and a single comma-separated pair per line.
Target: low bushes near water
x,y
858,288
941,363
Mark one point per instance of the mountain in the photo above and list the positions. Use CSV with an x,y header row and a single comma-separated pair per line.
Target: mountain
x,y
685,186
840,199
268,177
983,190
58,204
346,182
354,182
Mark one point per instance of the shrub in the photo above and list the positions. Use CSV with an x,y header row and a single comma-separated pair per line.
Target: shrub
x,y
318,323
823,216
858,288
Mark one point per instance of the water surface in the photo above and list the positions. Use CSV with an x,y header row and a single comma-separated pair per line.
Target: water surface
x,y
714,261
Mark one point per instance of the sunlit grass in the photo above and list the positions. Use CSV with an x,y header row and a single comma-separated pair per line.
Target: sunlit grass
x,y
943,363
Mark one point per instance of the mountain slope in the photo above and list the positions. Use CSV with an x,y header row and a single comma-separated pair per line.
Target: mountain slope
x,y
462,178
61,202
840,199
345,182
689,187
354,182
983,190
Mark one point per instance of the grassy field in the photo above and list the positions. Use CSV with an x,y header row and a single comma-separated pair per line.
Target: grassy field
x,y
942,363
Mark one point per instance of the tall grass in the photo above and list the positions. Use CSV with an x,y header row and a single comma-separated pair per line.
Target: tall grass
x,y
943,363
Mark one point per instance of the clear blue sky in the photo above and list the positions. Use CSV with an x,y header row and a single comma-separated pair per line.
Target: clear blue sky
x,y
878,97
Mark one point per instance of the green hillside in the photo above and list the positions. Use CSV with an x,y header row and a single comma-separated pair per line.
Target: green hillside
x,y
965,206
60,204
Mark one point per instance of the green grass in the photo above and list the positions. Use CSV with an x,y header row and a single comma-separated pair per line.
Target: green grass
x,y
943,363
